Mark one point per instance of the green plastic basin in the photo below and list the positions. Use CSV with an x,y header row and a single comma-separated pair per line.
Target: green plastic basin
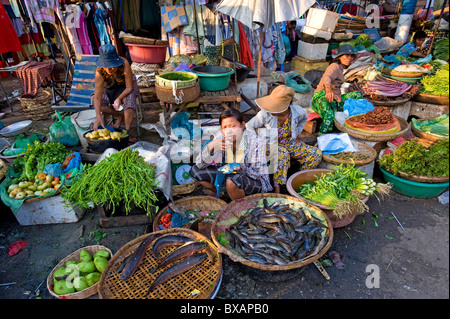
x,y
213,78
414,189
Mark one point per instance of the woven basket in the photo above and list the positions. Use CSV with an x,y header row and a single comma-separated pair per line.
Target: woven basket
x,y
198,283
39,107
422,179
389,103
375,137
204,203
229,214
186,94
185,188
362,148
131,39
432,99
402,74
90,291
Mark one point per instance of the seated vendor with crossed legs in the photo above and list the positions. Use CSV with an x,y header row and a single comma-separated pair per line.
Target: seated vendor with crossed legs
x,y
115,87
279,114
233,144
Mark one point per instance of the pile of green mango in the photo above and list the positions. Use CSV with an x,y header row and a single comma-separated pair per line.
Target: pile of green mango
x,y
76,275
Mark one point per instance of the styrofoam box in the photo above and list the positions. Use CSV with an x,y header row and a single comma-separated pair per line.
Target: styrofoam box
x,y
48,210
322,19
312,51
317,32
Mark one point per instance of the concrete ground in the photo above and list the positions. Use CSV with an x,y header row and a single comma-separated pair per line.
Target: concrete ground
x,y
383,258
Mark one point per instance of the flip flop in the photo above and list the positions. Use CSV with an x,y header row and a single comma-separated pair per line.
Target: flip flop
x,y
132,140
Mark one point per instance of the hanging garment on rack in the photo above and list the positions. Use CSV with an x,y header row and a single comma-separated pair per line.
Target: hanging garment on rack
x,y
83,36
173,17
150,15
92,31
209,26
111,28
190,28
246,54
279,52
9,42
99,20
43,10
72,23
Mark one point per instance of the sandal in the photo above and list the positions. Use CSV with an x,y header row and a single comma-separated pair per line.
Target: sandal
x,y
132,140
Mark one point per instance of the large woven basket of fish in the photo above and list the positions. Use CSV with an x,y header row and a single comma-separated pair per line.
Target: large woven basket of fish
x,y
176,263
272,232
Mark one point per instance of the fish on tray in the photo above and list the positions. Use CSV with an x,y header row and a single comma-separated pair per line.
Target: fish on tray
x,y
275,234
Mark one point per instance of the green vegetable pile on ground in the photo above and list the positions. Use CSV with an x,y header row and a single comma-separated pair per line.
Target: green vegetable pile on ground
x,y
415,159
121,178
364,40
441,49
436,84
343,190
37,156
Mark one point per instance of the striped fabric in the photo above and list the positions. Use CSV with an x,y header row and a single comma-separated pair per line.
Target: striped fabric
x,y
82,85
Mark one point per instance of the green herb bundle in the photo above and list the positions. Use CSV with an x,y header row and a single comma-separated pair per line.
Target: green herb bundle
x,y
415,159
123,177
436,84
441,49
37,156
343,190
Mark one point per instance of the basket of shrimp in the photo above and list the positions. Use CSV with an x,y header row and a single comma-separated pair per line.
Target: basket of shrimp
x,y
176,263
272,232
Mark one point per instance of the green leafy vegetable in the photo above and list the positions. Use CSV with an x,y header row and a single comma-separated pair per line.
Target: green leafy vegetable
x,y
415,159
436,84
364,40
441,49
123,177
37,156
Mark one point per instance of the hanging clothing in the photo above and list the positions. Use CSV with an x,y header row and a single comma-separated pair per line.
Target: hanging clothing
x,y
43,10
209,26
92,31
83,36
9,41
246,54
190,28
72,23
111,27
173,17
99,20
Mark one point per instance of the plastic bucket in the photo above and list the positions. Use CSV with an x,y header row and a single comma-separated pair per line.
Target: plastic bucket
x,y
213,78
414,189
147,53
83,121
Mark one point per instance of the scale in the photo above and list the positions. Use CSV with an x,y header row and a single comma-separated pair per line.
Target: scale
x,y
180,174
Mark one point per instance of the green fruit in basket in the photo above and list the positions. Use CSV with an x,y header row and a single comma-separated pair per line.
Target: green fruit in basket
x,y
61,288
85,255
102,253
93,278
100,263
71,262
86,267
80,283
60,274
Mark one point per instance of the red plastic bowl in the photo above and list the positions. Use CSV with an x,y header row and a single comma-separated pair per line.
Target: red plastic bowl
x,y
147,53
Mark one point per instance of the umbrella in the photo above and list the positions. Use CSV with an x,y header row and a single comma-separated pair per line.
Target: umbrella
x,y
263,13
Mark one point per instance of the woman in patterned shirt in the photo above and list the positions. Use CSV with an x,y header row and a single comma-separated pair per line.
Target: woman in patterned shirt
x,y
285,122
233,144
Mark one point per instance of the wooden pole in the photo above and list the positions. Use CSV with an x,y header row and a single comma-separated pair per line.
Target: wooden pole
x,y
196,27
258,79
436,28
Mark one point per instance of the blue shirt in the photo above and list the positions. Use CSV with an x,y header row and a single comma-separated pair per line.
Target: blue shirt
x,y
407,49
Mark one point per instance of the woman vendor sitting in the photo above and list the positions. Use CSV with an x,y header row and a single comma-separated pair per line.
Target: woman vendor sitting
x,y
412,48
116,88
327,97
233,144
280,115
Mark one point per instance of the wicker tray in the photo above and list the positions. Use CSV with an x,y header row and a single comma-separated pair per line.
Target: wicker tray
x,y
76,256
186,94
236,208
204,279
419,133
204,203
402,74
375,137
131,39
363,148
184,188
432,99
422,179
388,103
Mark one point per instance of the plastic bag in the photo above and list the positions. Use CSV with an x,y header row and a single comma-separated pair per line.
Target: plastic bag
x,y
64,132
357,106
298,83
335,143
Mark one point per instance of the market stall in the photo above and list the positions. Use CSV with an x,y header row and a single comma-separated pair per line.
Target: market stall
x,y
192,64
